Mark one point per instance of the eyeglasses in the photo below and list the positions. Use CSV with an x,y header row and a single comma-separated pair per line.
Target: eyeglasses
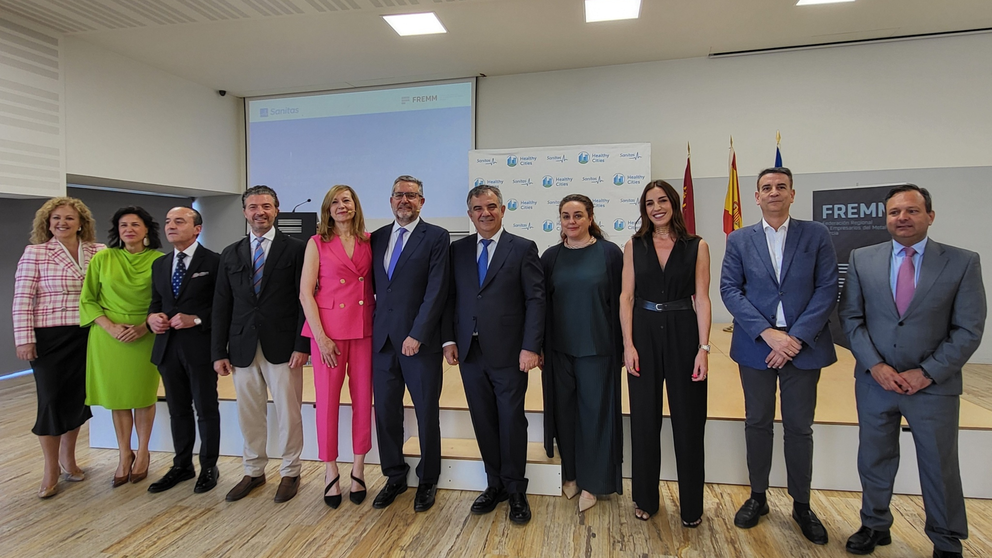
x,y
408,195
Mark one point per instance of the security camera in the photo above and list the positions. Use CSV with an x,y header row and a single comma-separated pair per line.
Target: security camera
x,y
222,92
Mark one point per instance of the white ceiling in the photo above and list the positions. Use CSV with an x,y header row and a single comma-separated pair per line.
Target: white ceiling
x,y
257,47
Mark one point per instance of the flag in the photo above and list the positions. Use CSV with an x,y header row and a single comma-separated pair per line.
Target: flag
x,y
688,203
732,204
778,149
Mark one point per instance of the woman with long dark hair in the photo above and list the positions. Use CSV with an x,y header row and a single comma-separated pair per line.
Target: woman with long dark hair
x,y
119,373
583,354
665,316
46,330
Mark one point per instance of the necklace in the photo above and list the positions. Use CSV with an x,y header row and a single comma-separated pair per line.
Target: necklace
x,y
590,242
661,233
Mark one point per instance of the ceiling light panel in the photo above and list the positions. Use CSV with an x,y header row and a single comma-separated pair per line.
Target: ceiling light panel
x,y
610,10
415,24
814,2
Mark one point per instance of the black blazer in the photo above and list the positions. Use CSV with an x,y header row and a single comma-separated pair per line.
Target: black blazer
x,y
507,310
411,303
196,296
274,318
614,270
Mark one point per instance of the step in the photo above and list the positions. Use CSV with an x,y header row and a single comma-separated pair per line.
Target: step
x,y
462,467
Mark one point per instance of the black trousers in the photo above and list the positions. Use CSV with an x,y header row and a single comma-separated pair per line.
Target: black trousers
x,y
798,389
671,365
496,404
190,384
392,374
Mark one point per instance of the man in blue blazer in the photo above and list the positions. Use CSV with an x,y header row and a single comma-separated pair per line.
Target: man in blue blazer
x,y
410,269
779,281
914,312
493,329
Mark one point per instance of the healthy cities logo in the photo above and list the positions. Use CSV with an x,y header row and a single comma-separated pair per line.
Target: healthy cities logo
x,y
479,182
548,181
511,204
548,226
618,179
583,157
511,161
619,225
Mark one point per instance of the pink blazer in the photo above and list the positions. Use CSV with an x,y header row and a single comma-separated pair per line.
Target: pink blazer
x,y
46,288
344,293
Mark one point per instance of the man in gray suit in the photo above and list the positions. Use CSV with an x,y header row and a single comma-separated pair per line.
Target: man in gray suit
x,y
914,312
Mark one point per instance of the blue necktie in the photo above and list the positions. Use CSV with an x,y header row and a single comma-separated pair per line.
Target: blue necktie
x,y
397,248
177,276
484,260
257,261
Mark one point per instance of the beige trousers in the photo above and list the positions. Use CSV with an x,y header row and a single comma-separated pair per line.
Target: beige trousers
x,y
286,387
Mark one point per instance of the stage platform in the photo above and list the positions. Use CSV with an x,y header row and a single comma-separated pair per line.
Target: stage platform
x,y
835,433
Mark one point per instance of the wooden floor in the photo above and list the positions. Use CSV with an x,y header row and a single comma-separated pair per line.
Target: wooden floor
x,y
91,519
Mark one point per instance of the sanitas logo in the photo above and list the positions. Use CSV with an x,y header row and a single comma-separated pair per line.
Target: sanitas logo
x,y
511,161
632,156
278,111
593,179
511,204
486,161
524,226
618,179
557,158
548,181
583,157
263,112
619,225
522,181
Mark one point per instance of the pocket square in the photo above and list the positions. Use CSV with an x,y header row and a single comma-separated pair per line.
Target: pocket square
x,y
200,274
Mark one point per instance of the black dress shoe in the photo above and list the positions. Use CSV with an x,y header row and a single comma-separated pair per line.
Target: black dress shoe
x,y
945,554
519,508
866,539
388,494
488,500
750,513
207,480
813,530
175,476
425,497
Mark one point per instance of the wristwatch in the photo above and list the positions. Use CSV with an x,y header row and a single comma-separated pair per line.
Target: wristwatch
x,y
197,321
705,348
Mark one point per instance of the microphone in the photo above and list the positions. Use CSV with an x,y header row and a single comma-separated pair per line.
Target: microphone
x,y
299,204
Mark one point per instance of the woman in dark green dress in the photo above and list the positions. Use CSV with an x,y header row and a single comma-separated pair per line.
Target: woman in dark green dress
x,y
665,313
583,355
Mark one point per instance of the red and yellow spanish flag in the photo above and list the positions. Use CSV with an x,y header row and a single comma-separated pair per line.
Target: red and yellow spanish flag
x,y
732,205
688,202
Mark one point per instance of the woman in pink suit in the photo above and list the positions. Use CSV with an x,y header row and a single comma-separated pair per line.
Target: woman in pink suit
x,y
337,297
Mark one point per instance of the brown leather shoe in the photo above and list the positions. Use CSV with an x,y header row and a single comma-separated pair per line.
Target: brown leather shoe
x,y
246,485
287,489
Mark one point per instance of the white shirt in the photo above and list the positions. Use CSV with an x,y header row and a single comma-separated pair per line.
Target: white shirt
x,y
776,249
898,255
492,247
189,256
267,239
394,235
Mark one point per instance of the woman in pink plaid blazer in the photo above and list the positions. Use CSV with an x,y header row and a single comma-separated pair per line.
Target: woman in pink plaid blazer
x,y
46,330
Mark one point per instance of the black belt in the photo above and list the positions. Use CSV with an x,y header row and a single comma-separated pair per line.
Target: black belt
x,y
684,304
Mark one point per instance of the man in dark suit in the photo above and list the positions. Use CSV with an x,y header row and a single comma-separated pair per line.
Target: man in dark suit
x,y
258,322
179,315
494,321
410,267
779,281
914,312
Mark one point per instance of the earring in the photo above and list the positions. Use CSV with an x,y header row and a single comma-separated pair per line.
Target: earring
x,y
145,241
120,243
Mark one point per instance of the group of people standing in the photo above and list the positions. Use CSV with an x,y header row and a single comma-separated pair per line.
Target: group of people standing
x,y
385,308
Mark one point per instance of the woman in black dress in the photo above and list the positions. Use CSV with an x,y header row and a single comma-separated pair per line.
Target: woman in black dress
x,y
665,316
583,354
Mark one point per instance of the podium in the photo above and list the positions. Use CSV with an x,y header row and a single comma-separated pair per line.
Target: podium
x,y
297,225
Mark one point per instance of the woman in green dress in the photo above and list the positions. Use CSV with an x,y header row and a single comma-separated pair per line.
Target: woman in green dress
x,y
119,372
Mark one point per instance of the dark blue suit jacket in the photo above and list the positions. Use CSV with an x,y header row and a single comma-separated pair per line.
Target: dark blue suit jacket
x,y
411,303
196,295
507,310
808,292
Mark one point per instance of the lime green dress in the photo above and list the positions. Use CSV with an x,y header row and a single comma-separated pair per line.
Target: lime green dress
x,y
118,285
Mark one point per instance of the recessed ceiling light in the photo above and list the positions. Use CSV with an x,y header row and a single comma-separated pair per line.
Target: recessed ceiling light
x,y
609,10
415,24
812,2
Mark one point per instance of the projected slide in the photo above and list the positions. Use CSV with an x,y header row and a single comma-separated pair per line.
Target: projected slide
x,y
301,146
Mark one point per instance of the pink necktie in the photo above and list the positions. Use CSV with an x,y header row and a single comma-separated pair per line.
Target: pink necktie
x,y
905,281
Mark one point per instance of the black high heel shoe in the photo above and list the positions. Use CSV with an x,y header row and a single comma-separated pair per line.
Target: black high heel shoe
x,y
357,497
333,501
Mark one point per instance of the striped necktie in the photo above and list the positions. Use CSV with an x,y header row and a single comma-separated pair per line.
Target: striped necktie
x,y
257,261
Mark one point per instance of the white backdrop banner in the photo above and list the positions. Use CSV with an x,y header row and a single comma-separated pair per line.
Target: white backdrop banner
x,y
534,179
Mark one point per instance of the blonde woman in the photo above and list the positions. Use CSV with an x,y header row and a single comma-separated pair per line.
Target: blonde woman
x,y
47,284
